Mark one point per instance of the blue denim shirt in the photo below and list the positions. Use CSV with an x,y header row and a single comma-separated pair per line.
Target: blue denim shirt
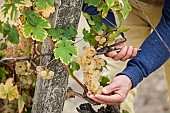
x,y
154,53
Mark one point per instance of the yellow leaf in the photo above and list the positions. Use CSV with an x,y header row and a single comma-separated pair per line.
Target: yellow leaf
x,y
21,104
27,3
8,90
46,12
9,82
13,93
3,92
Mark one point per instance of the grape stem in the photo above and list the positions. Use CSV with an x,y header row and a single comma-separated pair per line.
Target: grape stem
x,y
71,94
22,58
51,41
84,87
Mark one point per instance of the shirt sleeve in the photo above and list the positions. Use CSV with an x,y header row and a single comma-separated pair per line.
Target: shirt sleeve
x,y
154,53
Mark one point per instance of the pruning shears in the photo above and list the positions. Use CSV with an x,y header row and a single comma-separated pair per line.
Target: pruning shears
x,y
110,48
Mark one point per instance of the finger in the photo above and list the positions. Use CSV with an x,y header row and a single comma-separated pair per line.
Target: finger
x,y
111,54
89,92
128,54
134,52
109,88
116,98
97,100
121,54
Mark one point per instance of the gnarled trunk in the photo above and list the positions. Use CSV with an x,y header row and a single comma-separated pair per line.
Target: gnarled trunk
x,y
50,94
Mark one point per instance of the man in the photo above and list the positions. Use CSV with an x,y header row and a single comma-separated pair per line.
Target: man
x,y
154,53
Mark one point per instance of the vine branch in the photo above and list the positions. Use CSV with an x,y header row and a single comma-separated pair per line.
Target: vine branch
x,y
71,94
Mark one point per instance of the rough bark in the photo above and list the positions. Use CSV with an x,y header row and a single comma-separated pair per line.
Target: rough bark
x,y
50,94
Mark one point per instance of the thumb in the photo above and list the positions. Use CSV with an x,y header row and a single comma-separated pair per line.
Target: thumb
x,y
109,88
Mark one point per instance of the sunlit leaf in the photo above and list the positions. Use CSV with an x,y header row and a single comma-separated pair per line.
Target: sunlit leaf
x,y
42,4
65,50
21,104
8,90
37,31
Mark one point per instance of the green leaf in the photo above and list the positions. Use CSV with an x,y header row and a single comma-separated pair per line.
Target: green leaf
x,y
88,37
75,66
56,33
126,9
30,17
123,29
92,2
104,80
3,72
1,29
114,34
104,8
97,27
37,31
70,72
21,104
87,16
1,55
41,4
11,33
69,32
120,17
97,18
65,50
110,3
12,7
124,111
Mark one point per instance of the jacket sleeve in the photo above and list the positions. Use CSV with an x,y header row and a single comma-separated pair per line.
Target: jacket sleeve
x,y
154,53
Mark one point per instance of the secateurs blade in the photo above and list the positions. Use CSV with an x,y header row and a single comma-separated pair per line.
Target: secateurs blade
x,y
112,47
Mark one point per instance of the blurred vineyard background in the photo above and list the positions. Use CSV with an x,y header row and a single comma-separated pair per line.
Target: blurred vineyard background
x,y
151,98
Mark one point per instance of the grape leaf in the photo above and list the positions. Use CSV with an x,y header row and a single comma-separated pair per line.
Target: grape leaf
x,y
12,7
75,66
56,33
11,33
110,3
97,18
104,80
126,9
69,32
87,16
88,37
92,2
65,50
1,29
120,17
124,111
104,8
42,4
1,55
8,90
37,31
21,104
3,72
49,10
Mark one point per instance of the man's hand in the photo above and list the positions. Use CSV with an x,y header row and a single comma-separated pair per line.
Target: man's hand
x,y
126,52
115,93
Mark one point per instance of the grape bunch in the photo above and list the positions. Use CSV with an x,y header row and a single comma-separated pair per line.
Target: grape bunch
x,y
44,72
100,38
22,67
92,66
